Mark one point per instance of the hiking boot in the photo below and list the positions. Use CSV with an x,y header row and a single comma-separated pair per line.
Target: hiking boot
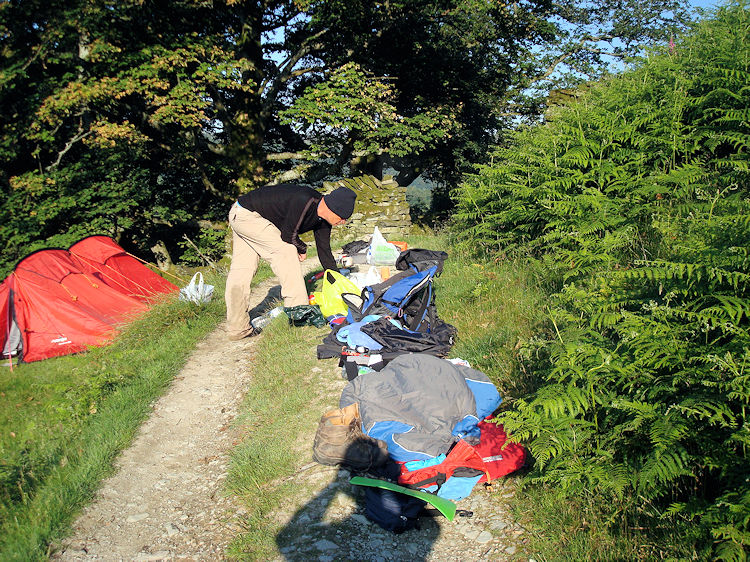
x,y
242,335
339,441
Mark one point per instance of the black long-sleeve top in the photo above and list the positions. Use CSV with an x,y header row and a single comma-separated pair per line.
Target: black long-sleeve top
x,y
293,209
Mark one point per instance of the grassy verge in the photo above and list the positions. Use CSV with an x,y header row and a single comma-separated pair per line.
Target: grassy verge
x,y
494,306
64,420
283,403
564,528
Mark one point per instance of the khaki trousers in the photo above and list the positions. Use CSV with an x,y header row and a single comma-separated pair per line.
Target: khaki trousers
x,y
254,237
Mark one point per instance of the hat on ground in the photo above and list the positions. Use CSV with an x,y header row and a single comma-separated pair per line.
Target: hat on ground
x,y
341,201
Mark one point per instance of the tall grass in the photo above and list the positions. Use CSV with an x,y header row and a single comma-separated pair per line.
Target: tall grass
x,y
503,317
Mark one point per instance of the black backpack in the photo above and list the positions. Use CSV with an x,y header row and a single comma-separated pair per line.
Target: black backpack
x,y
438,341
392,511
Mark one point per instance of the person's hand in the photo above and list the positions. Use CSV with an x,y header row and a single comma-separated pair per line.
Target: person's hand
x,y
301,257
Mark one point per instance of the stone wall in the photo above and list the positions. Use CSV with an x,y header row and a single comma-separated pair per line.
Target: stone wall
x,y
379,203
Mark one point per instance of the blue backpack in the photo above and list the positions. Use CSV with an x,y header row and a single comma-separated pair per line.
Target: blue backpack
x,y
407,296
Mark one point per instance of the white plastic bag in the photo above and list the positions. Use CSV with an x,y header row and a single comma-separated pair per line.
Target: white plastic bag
x,y
364,279
197,291
381,252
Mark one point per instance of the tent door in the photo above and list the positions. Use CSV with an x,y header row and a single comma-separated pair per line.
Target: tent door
x,y
13,343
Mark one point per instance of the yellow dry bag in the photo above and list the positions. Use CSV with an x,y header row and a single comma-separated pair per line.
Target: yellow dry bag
x,y
329,297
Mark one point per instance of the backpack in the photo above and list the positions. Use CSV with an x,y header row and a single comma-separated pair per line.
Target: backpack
x,y
420,259
407,296
391,510
500,456
395,341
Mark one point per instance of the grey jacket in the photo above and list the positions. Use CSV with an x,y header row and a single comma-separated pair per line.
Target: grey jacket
x,y
420,404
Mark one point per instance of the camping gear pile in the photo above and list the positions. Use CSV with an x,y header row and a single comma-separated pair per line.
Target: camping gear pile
x,y
414,425
379,322
57,302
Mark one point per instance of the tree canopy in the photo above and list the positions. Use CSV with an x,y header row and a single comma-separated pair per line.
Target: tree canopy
x,y
142,118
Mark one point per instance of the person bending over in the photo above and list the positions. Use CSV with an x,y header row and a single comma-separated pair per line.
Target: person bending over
x,y
266,223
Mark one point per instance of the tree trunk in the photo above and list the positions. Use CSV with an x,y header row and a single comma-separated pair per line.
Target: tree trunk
x,y
367,165
161,255
249,124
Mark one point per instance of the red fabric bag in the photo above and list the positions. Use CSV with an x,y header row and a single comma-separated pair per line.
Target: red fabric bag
x,y
500,458
461,457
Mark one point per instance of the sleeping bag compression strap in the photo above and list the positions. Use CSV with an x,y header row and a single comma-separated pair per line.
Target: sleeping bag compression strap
x,y
444,506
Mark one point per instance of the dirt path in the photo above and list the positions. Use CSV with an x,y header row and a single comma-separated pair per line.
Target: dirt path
x,y
166,500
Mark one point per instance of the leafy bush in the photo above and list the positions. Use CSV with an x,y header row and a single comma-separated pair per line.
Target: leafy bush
x,y
209,245
636,198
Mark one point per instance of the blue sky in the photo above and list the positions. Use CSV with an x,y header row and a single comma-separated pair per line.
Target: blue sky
x,y
705,3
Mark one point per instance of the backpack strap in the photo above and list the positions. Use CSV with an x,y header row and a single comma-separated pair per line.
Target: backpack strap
x,y
419,316
439,479
381,288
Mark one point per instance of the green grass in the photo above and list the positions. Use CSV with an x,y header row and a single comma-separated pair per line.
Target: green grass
x,y
284,401
562,528
497,307
63,420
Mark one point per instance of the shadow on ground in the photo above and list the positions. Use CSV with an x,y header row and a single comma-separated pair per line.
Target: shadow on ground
x,y
273,297
332,526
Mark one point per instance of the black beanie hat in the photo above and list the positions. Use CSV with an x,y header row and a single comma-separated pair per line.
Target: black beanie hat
x,y
341,201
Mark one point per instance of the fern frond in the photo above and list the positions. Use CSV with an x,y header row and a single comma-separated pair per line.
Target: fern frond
x,y
662,467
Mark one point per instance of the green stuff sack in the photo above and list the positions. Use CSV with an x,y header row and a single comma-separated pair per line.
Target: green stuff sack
x,y
305,315
329,297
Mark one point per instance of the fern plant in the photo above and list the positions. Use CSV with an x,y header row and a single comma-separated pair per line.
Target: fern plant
x,y
637,198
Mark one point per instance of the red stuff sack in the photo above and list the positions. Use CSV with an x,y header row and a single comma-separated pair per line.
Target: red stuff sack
x,y
462,460
500,457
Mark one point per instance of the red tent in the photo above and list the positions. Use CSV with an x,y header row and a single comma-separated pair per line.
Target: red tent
x,y
57,302
118,269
